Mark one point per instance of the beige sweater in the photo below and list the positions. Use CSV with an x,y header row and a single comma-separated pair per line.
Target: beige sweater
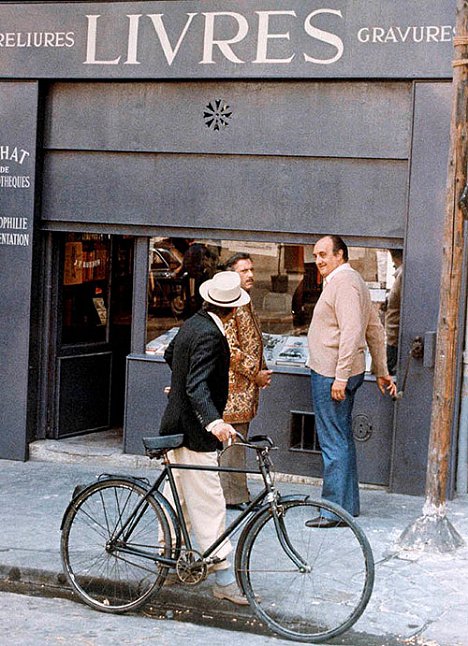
x,y
344,320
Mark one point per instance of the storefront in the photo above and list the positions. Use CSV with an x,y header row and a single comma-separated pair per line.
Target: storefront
x,y
131,132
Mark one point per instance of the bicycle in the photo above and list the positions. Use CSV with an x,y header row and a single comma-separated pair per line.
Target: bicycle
x,y
120,537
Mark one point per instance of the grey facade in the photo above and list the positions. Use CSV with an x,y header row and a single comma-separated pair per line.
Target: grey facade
x,y
340,123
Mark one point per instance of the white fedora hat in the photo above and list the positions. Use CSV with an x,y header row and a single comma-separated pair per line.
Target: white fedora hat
x,y
224,290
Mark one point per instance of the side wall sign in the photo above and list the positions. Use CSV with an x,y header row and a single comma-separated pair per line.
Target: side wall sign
x,y
222,39
18,119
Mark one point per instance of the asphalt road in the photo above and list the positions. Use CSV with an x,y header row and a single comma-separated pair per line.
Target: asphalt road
x,y
33,621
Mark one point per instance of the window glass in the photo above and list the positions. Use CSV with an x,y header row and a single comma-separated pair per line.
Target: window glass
x,y
85,286
286,288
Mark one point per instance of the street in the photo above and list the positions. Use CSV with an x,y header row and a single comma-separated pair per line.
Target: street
x,y
29,621
417,598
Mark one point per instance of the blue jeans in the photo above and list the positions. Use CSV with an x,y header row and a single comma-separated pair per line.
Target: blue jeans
x,y
333,423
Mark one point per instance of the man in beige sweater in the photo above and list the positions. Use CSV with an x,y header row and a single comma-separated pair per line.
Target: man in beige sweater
x,y
344,320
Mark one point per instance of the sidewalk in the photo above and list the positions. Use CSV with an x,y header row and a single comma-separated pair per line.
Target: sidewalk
x,y
418,599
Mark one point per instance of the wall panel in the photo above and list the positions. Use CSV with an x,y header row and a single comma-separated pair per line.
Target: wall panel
x,y
354,197
290,118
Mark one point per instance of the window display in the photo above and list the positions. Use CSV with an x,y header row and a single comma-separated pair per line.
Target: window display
x,y
86,266
286,288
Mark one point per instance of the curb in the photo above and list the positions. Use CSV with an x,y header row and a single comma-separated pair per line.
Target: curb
x,y
178,602
175,603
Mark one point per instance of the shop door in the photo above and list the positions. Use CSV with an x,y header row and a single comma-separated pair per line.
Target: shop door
x,y
93,332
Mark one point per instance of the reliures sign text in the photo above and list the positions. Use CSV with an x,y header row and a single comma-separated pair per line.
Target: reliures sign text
x,y
222,39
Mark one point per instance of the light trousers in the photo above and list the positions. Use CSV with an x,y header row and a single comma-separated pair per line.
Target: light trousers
x,y
202,500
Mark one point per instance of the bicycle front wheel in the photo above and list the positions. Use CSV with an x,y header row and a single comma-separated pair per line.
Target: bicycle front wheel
x,y
114,570
306,584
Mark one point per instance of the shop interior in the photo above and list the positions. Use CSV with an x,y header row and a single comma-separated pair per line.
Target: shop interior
x,y
287,286
94,320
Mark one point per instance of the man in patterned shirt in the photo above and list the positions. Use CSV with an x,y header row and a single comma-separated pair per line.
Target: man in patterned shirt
x,y
247,374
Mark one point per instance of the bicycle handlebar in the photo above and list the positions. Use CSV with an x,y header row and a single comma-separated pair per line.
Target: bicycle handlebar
x,y
252,443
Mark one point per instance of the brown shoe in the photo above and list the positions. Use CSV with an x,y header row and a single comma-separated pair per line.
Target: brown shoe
x,y
230,592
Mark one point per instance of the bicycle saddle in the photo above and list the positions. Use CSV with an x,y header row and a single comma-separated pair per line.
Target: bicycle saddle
x,y
157,446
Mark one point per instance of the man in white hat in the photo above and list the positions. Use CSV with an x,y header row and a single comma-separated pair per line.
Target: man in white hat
x,y
199,360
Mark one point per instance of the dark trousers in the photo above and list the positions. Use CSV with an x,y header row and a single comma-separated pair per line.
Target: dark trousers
x,y
333,422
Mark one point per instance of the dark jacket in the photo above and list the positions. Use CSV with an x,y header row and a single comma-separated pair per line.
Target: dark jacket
x,y
199,359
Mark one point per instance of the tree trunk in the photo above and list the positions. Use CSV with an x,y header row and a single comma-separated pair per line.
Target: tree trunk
x,y
451,279
433,530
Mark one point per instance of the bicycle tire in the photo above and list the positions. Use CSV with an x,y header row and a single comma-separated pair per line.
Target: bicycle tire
x,y
308,606
104,576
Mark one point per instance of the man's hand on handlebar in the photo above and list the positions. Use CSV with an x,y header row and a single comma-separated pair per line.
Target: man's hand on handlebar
x,y
224,432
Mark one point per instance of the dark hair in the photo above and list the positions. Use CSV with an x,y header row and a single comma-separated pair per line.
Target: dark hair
x,y
339,245
216,309
233,260
396,253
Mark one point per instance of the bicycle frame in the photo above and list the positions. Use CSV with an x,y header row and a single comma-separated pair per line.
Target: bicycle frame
x,y
268,495
120,536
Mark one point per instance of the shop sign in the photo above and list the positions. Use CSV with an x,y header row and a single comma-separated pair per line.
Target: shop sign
x,y
14,175
18,138
222,39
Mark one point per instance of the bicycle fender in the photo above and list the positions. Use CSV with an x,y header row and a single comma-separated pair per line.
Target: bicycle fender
x,y
172,519
79,489
143,482
294,496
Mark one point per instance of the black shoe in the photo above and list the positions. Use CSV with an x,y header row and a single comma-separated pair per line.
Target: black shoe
x,y
241,506
324,523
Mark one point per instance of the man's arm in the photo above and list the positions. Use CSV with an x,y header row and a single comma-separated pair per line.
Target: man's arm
x,y
242,362
349,315
205,352
375,339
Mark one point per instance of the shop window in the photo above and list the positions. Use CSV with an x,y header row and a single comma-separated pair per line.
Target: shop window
x,y
86,263
303,434
286,289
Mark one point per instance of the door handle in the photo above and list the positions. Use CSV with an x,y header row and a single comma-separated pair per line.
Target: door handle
x,y
417,347
416,352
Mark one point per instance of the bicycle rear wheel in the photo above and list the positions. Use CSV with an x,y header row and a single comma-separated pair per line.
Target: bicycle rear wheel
x,y
114,575
330,593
